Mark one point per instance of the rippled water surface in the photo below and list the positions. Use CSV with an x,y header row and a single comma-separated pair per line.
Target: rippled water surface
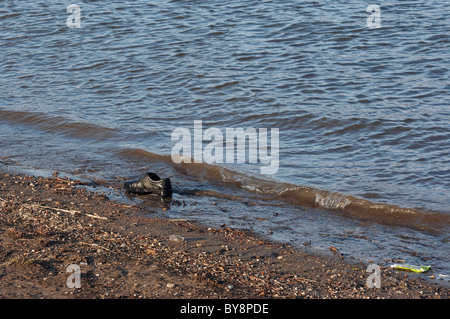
x,y
363,114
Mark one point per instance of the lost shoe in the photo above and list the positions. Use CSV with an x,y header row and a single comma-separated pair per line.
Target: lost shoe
x,y
150,183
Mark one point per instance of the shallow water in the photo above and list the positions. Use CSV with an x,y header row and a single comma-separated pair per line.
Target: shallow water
x,y
363,114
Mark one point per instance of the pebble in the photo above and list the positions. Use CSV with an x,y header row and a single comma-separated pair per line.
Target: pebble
x,y
170,285
176,238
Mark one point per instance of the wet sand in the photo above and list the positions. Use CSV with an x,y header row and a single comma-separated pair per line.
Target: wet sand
x,y
47,224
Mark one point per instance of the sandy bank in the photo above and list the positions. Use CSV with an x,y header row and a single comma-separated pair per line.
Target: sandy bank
x,y
47,224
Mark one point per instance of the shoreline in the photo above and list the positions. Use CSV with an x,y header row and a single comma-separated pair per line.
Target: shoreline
x,y
49,223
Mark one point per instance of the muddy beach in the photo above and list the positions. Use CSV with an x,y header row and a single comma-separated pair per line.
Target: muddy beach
x,y
121,251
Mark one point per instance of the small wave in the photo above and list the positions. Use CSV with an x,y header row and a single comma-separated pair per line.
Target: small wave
x,y
224,85
304,196
58,124
332,201
367,210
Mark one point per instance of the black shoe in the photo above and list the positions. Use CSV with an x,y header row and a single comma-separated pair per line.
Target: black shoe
x,y
150,183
